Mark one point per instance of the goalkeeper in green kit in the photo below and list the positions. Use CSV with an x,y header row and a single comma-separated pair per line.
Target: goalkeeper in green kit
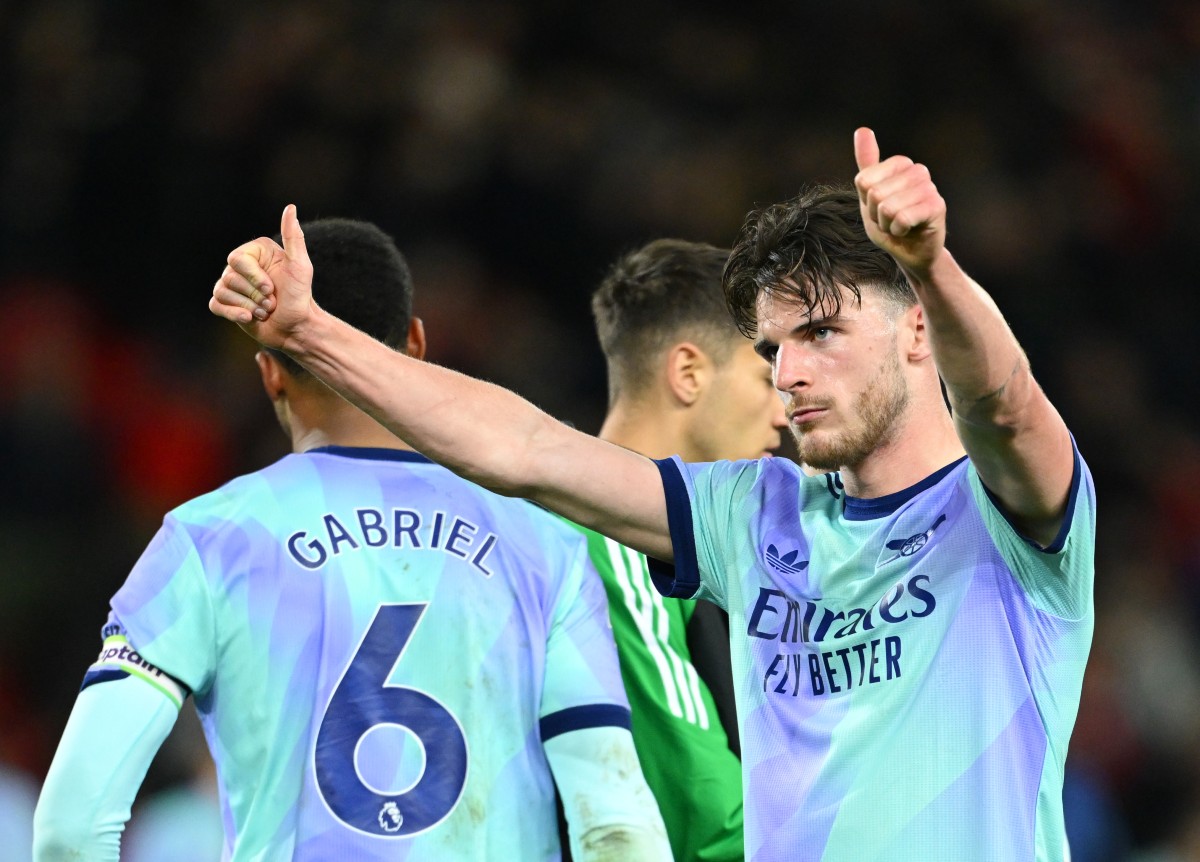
x,y
682,380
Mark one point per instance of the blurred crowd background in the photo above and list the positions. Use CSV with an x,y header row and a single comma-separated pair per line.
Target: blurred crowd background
x,y
514,149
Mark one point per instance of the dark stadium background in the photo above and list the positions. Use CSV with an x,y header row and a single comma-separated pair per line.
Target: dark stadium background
x,y
514,148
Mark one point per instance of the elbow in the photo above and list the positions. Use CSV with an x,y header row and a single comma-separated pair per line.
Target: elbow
x,y
623,843
1006,410
500,478
516,468
66,836
53,850
54,843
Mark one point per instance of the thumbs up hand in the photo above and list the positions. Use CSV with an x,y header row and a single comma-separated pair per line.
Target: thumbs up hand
x,y
266,287
901,209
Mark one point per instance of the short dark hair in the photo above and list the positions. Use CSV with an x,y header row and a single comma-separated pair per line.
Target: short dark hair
x,y
805,249
663,291
361,277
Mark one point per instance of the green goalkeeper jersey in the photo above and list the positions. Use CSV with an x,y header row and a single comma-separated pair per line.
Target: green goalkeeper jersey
x,y
680,742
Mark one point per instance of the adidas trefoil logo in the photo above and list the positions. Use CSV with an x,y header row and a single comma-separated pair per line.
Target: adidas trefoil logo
x,y
786,562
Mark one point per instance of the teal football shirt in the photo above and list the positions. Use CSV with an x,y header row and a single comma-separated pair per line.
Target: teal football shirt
x,y
377,650
908,668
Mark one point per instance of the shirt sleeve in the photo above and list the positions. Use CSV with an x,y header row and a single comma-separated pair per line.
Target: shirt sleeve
x,y
680,743
609,809
119,659
705,502
683,748
582,686
112,735
1058,578
166,607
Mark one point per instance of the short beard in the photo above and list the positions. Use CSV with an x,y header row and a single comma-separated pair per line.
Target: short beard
x,y
877,407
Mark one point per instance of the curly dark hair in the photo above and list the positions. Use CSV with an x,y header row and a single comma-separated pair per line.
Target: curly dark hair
x,y
808,249
361,277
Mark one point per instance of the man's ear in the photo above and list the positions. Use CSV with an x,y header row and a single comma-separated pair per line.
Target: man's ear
x,y
415,346
273,375
915,334
689,370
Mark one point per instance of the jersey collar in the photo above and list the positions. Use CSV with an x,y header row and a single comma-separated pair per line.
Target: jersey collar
x,y
866,509
370,453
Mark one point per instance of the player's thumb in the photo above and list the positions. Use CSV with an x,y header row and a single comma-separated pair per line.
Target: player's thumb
x,y
866,148
292,235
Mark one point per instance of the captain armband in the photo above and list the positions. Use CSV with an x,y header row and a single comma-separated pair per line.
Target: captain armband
x,y
118,660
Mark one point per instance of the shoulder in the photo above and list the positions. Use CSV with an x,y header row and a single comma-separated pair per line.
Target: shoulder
x,y
764,479
228,498
251,498
761,471
1079,519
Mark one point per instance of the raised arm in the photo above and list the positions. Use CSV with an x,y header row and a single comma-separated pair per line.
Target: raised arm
x,y
480,431
1015,437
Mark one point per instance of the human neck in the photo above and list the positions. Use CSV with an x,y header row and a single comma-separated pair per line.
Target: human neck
x,y
645,430
914,450
339,425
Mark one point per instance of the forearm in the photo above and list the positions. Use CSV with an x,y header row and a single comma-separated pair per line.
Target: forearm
x,y
423,403
986,373
113,733
480,431
490,435
1015,437
610,811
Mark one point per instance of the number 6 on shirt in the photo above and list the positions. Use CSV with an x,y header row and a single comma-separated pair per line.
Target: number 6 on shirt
x,y
362,701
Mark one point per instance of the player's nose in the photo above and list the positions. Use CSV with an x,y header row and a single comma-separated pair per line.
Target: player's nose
x,y
791,368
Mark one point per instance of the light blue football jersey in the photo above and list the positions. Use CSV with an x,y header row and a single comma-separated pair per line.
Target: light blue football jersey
x,y
908,668
377,650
